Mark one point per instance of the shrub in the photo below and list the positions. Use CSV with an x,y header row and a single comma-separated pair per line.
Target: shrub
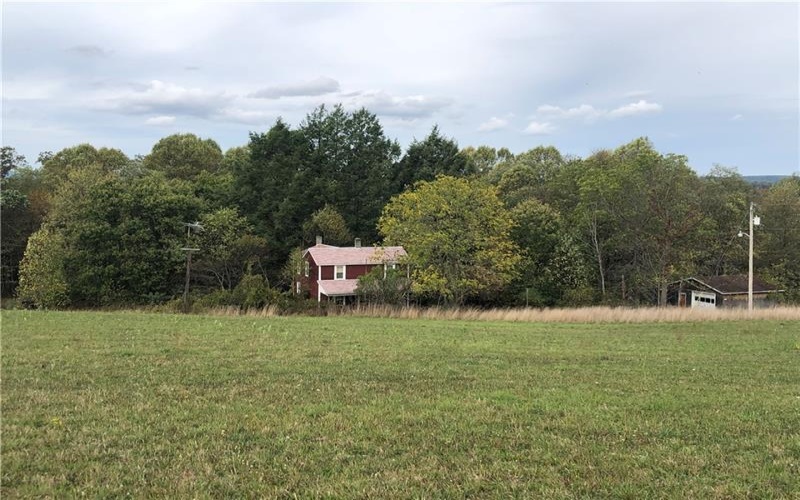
x,y
42,281
375,288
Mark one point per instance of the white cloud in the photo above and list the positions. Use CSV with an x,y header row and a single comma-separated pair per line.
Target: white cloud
x,y
405,107
77,44
584,111
539,128
168,99
635,108
247,116
737,118
319,86
493,124
590,114
160,120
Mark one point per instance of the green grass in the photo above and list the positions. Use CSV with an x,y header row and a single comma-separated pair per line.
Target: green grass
x,y
113,404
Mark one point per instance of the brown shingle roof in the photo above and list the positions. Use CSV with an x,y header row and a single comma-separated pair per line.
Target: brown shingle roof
x,y
733,284
326,255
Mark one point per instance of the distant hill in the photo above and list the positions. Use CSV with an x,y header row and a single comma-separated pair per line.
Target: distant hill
x,y
764,180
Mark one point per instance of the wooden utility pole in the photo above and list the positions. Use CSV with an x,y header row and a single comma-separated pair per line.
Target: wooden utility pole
x,y
189,226
750,265
754,221
188,271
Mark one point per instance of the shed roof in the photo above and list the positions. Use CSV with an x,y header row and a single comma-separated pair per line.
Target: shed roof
x,y
327,255
735,284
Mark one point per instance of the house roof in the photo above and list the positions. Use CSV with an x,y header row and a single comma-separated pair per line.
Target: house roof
x,y
327,255
735,284
333,288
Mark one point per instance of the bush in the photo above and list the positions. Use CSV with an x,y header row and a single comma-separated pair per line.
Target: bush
x,y
580,296
252,292
42,281
375,288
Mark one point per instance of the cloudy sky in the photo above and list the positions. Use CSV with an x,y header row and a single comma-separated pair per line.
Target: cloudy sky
x,y
717,82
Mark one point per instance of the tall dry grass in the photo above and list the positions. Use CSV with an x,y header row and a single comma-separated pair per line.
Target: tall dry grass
x,y
577,315
261,312
599,314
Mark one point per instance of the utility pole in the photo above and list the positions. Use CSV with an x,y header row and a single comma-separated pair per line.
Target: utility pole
x,y
750,265
754,221
189,226
188,267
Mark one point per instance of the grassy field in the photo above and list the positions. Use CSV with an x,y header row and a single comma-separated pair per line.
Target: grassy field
x,y
113,404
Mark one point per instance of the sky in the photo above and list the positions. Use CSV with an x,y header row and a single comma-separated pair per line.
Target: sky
x,y
717,82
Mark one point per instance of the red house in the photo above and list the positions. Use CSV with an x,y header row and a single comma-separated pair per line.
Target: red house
x,y
332,272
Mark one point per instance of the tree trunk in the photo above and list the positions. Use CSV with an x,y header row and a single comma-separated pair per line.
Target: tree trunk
x,y
598,253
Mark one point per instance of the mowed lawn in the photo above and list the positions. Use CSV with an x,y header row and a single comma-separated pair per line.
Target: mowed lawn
x,y
113,404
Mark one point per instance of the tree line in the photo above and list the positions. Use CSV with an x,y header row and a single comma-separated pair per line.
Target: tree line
x,y
92,227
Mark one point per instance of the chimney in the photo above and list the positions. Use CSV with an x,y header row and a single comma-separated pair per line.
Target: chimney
x,y
358,243
319,240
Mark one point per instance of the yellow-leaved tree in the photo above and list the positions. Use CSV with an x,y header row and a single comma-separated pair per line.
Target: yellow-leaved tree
x,y
456,232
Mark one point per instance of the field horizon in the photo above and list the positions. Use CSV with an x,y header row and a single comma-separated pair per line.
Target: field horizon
x,y
129,403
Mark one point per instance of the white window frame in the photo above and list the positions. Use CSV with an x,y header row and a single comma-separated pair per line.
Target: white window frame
x,y
336,272
307,269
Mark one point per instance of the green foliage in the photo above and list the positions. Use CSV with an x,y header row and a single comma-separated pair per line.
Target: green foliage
x,y
535,231
640,212
457,234
541,158
235,159
626,221
567,274
269,192
335,158
14,207
483,159
10,160
184,156
328,223
349,166
57,168
292,269
215,190
435,155
227,248
725,197
122,237
23,203
252,292
384,286
778,238
552,262
43,281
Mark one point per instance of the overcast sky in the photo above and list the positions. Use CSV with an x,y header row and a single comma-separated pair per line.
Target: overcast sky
x,y
716,82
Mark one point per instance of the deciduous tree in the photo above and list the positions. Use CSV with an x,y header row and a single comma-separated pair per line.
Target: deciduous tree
x,y
457,234
328,223
228,248
184,156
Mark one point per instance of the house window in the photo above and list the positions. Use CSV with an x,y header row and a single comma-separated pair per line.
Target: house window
x,y
339,273
298,287
306,269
